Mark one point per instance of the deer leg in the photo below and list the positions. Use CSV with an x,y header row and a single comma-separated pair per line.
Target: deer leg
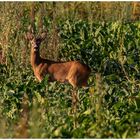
x,y
74,82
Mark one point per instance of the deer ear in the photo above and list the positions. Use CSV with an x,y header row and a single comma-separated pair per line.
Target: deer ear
x,y
29,36
43,35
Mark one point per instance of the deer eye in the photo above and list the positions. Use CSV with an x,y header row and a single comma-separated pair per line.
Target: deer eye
x,y
37,41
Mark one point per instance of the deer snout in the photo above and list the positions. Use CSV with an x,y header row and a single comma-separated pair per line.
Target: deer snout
x,y
36,48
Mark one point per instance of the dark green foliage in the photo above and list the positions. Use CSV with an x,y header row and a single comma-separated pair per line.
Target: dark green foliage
x,y
108,108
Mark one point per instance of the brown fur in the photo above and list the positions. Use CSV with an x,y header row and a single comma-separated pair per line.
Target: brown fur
x,y
75,72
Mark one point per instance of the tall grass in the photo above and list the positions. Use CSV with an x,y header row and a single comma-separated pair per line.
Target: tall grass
x,y
87,31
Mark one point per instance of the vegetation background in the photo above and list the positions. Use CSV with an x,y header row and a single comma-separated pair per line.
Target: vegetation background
x,y
104,35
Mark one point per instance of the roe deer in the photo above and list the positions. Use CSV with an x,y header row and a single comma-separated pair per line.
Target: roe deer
x,y
74,72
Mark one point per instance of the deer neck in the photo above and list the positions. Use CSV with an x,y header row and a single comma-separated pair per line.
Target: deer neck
x,y
35,58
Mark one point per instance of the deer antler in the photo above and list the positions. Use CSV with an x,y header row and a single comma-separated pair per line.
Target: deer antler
x,y
43,35
30,33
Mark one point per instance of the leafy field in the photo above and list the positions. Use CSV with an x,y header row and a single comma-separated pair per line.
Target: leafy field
x,y
108,108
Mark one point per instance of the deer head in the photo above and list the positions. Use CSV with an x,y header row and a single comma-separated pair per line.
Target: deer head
x,y
36,40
